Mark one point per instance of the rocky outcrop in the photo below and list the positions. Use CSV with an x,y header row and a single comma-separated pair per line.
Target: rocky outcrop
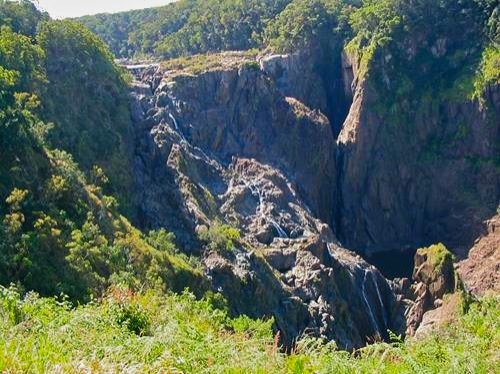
x,y
310,287
480,271
434,277
434,269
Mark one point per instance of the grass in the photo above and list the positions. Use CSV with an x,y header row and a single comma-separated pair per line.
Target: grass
x,y
151,333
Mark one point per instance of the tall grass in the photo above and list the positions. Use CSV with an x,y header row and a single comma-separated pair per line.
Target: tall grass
x,y
150,333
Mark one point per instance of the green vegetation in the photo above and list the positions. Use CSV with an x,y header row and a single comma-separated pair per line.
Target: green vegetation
x,y
91,115
452,38
305,22
215,25
189,27
438,255
152,333
21,16
60,229
186,27
220,237
115,29
489,72
88,117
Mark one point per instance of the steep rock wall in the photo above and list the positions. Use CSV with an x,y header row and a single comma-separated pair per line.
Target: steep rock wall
x,y
226,144
410,181
238,144
239,113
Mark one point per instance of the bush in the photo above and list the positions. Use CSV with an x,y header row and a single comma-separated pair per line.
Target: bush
x,y
220,237
126,312
162,241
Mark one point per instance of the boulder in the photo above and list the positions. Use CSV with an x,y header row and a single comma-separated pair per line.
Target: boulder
x,y
434,269
434,279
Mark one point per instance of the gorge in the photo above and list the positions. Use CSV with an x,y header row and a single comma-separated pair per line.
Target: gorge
x,y
239,146
274,179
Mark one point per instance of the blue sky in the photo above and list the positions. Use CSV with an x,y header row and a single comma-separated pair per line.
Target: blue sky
x,y
75,8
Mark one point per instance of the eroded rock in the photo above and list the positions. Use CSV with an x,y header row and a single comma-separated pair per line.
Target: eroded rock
x,y
435,279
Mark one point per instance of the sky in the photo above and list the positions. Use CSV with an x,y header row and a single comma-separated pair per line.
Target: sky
x,y
75,8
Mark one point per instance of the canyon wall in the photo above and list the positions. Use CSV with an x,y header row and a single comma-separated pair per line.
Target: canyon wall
x,y
313,173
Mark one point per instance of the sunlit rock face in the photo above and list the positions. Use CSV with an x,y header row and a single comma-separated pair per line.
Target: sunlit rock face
x,y
305,166
228,145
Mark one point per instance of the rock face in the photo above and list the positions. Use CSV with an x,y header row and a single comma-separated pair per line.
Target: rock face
x,y
407,183
434,277
226,144
310,287
316,77
235,143
265,148
434,269
480,272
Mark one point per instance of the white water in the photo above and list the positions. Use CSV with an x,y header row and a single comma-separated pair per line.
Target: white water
x,y
370,312
177,128
330,249
380,300
281,232
184,140
256,191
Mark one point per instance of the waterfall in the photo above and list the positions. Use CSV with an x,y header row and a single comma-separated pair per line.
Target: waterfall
x,y
281,232
177,128
370,312
256,191
381,301
330,249
184,140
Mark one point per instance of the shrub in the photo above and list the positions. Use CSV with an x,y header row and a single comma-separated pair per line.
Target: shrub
x,y
126,312
10,305
162,241
220,237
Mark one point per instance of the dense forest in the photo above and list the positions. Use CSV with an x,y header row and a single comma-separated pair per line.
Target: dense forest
x,y
188,27
83,288
64,116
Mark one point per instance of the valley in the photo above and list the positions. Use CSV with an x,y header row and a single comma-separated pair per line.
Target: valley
x,y
317,181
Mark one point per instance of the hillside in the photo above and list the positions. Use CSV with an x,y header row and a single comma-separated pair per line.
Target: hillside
x,y
293,186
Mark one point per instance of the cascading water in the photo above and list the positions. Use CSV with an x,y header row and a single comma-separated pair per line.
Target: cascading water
x,y
281,232
256,191
177,128
382,308
370,311
185,142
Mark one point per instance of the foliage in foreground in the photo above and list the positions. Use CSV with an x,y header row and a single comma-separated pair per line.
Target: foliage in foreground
x,y
177,333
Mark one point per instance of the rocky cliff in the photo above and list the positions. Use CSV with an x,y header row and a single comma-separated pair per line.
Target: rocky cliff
x,y
411,181
226,144
300,164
